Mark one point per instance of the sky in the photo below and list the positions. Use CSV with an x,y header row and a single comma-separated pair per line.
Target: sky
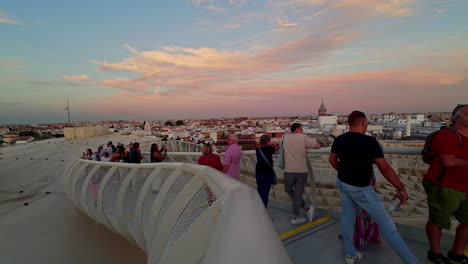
x,y
161,60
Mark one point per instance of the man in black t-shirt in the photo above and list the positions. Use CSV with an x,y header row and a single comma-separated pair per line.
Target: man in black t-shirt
x,y
356,153
353,155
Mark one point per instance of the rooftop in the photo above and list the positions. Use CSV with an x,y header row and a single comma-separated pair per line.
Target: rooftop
x,y
43,225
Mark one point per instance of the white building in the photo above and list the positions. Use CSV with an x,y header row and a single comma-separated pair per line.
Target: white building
x,y
327,120
147,126
420,118
313,131
375,129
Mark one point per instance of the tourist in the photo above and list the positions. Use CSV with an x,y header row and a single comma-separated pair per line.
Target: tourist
x,y
135,154
446,185
366,230
106,156
119,155
101,153
296,171
178,138
110,148
264,170
157,155
232,158
98,154
209,159
88,155
353,155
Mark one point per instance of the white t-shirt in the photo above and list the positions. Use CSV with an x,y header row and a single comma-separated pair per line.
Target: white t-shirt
x,y
110,150
105,159
295,152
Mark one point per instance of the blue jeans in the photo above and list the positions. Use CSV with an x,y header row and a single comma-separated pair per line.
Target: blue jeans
x,y
370,201
264,181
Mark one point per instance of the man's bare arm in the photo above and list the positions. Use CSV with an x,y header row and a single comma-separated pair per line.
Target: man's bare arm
x,y
389,173
453,161
333,160
392,177
312,143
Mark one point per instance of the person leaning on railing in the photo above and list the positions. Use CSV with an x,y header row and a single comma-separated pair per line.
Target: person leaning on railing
x,y
232,158
157,155
209,159
296,171
135,154
88,155
119,154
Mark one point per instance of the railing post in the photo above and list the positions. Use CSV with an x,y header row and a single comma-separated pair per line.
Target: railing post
x,y
313,190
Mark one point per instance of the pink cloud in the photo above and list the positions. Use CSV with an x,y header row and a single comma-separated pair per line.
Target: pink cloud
x,y
384,7
266,79
175,68
77,78
389,90
172,68
5,18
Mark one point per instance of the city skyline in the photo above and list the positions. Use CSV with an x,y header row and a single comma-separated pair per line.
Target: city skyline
x,y
209,58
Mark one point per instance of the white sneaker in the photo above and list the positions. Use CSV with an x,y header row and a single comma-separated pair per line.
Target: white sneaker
x,y
298,221
310,213
352,260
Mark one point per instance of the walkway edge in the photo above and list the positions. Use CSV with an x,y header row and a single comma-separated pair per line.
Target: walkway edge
x,y
302,228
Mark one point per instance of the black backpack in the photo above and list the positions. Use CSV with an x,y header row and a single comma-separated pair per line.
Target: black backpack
x,y
126,157
427,154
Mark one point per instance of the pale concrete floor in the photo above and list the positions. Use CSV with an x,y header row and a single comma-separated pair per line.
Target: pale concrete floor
x,y
321,243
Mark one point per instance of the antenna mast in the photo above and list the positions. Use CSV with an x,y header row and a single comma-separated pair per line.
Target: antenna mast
x,y
68,109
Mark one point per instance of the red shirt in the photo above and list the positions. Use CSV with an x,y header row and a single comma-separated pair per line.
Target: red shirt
x,y
211,160
446,142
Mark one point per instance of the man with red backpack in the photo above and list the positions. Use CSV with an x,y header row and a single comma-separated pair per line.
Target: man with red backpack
x,y
446,185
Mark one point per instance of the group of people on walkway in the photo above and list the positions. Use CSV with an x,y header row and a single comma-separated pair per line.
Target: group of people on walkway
x,y
131,154
363,217
110,153
353,155
232,158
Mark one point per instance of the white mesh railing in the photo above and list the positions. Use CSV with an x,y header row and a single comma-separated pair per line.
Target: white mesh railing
x,y
176,212
319,169
201,201
404,160
173,146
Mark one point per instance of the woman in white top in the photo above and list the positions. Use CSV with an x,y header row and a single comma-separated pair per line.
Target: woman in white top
x,y
88,155
105,156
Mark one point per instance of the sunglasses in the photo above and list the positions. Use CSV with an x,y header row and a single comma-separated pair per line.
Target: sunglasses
x,y
458,107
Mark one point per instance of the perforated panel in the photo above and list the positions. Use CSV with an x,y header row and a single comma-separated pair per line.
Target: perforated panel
x,y
201,201
172,194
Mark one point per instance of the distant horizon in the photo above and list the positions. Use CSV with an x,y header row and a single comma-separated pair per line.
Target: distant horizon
x,y
209,118
198,58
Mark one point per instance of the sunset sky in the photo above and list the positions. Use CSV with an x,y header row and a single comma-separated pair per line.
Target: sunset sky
x,y
159,60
